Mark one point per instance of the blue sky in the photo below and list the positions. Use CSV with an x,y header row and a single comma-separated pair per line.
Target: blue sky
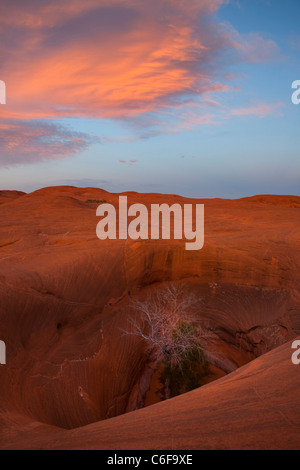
x,y
234,139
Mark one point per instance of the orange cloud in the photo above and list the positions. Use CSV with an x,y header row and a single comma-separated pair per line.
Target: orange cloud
x,y
111,59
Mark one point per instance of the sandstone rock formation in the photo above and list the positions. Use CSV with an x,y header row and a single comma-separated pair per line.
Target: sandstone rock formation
x,y
65,295
256,407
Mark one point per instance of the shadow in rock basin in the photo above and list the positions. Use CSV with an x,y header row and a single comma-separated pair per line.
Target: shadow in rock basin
x,y
66,297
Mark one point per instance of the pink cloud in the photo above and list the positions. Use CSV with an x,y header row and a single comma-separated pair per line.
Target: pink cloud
x,y
252,47
260,110
129,60
31,141
113,59
131,162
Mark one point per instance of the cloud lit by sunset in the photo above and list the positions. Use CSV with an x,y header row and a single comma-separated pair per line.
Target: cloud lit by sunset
x,y
117,59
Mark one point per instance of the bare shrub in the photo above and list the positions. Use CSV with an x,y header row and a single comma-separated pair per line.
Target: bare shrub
x,y
167,321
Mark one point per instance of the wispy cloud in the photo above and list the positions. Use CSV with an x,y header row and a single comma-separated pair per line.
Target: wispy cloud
x,y
260,110
30,141
109,59
130,162
127,60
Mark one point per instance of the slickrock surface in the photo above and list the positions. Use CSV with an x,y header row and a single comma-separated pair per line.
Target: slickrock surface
x,y
65,296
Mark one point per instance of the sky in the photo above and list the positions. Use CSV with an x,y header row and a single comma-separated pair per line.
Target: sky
x,y
189,97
